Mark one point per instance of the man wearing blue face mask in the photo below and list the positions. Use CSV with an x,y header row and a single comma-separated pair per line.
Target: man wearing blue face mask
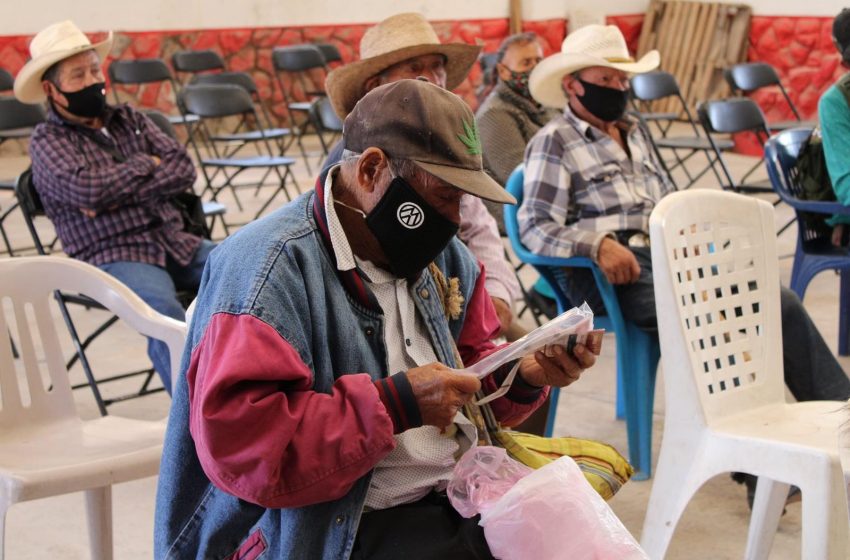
x,y
591,182
106,175
318,416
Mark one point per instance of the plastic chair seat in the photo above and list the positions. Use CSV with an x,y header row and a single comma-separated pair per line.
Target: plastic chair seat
x,y
693,143
16,133
180,119
810,424
659,116
80,455
301,105
249,162
785,125
252,135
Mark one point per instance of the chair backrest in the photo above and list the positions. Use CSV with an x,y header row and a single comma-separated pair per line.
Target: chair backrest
x,y
715,270
752,76
329,52
29,203
35,389
728,116
217,100
197,61
241,79
654,85
162,122
7,81
141,71
780,156
327,116
297,58
14,114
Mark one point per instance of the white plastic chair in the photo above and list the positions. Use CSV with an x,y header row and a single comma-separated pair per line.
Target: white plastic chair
x,y
717,293
45,448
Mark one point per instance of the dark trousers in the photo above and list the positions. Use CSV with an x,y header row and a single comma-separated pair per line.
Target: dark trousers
x,y
811,370
429,529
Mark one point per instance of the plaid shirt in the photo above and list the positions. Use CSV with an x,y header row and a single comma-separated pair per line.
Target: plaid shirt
x,y
580,186
110,172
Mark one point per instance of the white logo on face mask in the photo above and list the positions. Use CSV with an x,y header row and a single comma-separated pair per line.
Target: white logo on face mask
x,y
410,215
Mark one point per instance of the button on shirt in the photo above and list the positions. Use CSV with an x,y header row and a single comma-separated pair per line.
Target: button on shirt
x,y
423,458
580,185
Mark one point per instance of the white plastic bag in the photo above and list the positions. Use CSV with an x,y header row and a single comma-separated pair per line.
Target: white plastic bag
x,y
554,513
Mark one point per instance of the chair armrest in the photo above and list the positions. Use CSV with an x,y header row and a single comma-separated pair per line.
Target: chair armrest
x,y
819,207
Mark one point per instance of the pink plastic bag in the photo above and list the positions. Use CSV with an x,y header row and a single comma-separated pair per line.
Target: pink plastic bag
x,y
555,513
481,477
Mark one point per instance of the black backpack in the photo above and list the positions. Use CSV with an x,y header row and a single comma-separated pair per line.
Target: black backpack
x,y
813,175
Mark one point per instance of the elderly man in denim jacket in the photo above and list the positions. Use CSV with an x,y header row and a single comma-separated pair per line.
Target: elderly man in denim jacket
x,y
318,414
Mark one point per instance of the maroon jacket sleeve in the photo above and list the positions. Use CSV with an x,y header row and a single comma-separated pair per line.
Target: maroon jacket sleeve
x,y
475,342
262,433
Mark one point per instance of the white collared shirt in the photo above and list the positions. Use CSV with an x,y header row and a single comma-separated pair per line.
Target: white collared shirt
x,y
423,459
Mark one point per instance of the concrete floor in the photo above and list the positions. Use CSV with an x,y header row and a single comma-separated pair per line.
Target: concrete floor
x,y
714,525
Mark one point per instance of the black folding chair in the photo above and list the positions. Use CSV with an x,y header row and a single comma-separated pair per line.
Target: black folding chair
x,y
330,53
217,101
195,62
32,208
731,116
654,86
16,123
213,210
7,81
751,76
300,95
148,71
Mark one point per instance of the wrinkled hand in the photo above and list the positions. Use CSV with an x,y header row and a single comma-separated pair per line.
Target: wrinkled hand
x,y
156,160
617,262
504,312
88,213
837,235
559,370
440,392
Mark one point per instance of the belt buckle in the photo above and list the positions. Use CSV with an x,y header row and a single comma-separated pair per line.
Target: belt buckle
x,y
639,239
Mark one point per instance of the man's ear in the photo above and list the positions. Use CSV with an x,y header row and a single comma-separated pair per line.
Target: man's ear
x,y
371,83
371,165
46,88
571,86
503,71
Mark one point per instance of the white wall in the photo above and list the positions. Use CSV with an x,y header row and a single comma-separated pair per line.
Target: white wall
x,y
142,15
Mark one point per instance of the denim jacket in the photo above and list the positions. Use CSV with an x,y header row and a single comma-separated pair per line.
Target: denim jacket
x,y
278,416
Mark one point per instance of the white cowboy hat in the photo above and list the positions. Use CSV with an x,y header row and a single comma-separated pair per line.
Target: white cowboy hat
x,y
592,45
50,45
394,40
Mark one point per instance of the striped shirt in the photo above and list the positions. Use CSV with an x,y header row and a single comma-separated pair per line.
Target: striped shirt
x,y
580,186
110,173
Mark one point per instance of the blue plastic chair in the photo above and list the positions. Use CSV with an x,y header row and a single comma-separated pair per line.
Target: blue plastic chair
x,y
815,252
637,351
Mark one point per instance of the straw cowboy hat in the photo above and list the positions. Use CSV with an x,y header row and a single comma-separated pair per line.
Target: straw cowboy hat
x,y
592,45
394,40
54,43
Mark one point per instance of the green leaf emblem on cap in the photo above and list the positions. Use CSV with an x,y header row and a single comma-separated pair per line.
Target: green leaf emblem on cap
x,y
470,138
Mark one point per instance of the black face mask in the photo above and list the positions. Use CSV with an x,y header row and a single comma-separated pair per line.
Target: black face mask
x,y
89,102
604,103
410,231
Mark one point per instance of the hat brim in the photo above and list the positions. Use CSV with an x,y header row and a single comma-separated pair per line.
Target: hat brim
x,y
345,84
28,81
545,80
474,182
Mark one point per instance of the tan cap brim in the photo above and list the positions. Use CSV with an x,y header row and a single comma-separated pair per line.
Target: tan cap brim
x,y
473,181
345,84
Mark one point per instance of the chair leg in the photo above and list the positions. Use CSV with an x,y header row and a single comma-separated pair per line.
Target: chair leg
x,y
554,393
677,480
5,508
767,509
639,389
825,527
99,511
844,314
